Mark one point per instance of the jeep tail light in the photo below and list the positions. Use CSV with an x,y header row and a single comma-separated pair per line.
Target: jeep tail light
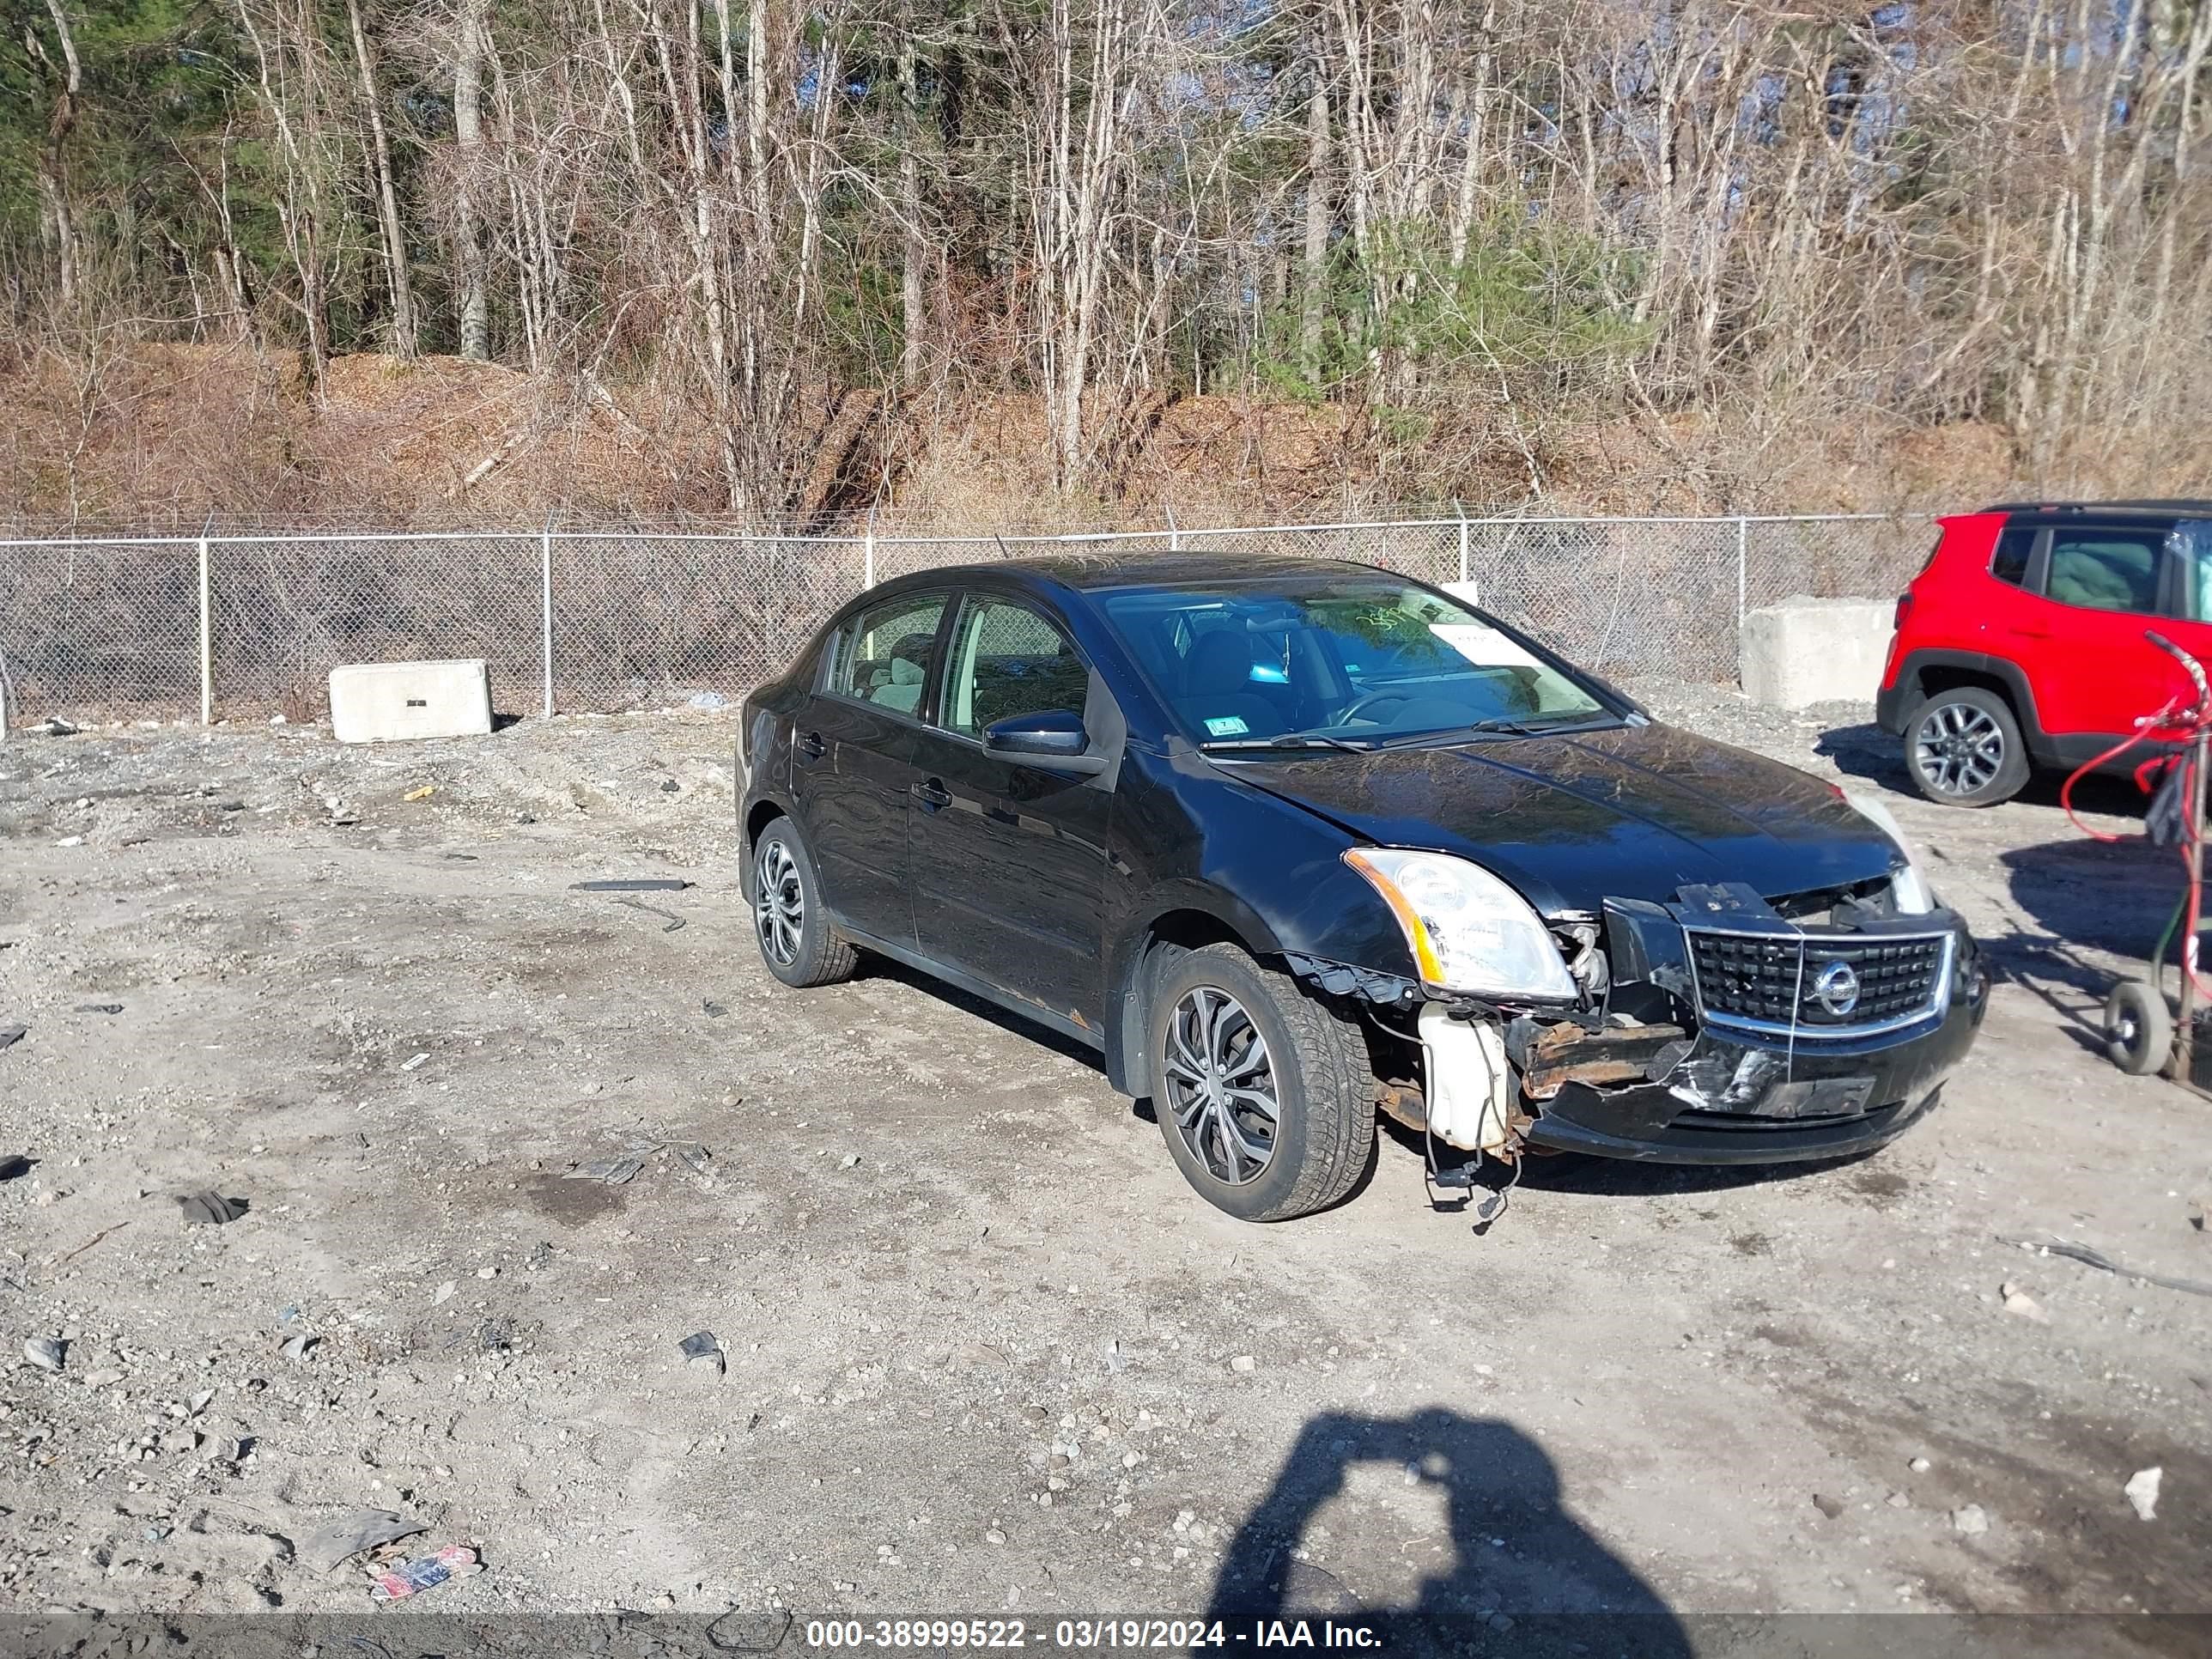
x,y
1904,610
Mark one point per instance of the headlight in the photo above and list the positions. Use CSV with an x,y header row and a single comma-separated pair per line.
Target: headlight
x,y
1909,885
1467,930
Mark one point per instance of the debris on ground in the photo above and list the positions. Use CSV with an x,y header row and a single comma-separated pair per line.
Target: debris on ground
x,y
425,1572
52,726
2142,1492
706,702
675,922
295,1348
610,1171
1244,1363
851,1160
700,1348
414,1062
2017,1301
48,1353
336,1542
1831,1507
99,1008
2095,1258
1972,1520
209,1209
15,1165
631,884
12,1034
713,1009
616,1170
423,794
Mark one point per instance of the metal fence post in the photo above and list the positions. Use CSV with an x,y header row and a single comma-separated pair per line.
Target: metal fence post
x,y
207,639
545,607
1742,559
1175,534
868,553
1462,511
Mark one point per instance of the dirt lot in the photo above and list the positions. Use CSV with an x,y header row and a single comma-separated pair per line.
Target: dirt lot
x,y
985,1352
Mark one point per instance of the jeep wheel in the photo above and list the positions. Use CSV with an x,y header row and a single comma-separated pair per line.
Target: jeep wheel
x,y
1964,748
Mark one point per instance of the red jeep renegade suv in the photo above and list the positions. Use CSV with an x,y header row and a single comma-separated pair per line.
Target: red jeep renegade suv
x,y
2021,643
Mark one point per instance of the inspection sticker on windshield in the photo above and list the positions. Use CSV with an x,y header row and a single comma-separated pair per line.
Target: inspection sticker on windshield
x,y
1226,726
1486,648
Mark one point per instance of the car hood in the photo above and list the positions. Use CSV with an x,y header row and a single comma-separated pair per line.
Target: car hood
x,y
1632,812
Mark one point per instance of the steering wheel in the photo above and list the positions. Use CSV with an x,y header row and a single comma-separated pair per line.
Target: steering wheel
x,y
1358,705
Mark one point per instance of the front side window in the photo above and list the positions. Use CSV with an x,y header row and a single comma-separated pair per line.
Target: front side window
x,y
2105,569
1341,657
883,655
1008,660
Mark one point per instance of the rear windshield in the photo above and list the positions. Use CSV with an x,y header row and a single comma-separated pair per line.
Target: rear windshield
x,y
1355,659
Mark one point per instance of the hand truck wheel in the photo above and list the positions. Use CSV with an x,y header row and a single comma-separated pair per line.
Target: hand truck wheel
x,y
2138,1028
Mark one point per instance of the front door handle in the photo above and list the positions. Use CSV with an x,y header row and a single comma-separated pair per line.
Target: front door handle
x,y
932,795
812,746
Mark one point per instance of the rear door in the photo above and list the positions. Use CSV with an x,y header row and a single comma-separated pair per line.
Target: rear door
x,y
853,760
2097,588
1009,857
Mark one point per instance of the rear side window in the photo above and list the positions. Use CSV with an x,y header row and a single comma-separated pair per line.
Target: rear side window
x,y
883,655
2009,562
2192,546
2105,569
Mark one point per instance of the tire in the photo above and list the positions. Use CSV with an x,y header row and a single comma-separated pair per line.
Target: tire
x,y
1314,1065
1964,748
789,923
2138,1028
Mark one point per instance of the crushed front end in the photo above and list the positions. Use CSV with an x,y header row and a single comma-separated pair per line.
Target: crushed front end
x,y
1714,1028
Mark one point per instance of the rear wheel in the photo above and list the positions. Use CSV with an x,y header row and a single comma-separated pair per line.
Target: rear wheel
x,y
1964,748
2138,1027
789,924
1264,1095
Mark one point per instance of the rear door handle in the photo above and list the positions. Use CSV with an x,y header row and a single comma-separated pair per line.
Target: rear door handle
x,y
932,795
811,745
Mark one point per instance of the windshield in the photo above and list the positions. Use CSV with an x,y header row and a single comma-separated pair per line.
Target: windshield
x,y
1335,659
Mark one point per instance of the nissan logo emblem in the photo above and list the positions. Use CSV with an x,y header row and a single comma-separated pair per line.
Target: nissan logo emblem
x,y
1836,988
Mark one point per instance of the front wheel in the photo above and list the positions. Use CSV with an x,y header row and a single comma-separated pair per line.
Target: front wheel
x,y
789,924
1964,748
1265,1095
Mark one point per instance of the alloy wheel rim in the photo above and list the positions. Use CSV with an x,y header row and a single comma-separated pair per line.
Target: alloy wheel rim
x,y
1959,748
780,907
1219,1083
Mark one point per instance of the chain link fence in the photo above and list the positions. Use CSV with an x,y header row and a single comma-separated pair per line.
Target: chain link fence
x,y
247,626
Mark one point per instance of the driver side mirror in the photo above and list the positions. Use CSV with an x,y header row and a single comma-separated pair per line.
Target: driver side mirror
x,y
1051,737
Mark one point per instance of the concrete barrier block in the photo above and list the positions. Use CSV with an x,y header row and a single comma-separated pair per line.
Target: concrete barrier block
x,y
386,701
1806,651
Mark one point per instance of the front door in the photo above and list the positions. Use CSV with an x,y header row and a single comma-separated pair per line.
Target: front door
x,y
853,764
1009,857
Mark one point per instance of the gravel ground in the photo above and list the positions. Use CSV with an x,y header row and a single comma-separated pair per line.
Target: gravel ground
x,y
981,1349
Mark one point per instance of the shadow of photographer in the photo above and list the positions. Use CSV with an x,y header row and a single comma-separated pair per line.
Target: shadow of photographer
x,y
1518,1555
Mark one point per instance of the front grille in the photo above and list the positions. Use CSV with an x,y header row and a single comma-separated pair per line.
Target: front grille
x,y
1774,980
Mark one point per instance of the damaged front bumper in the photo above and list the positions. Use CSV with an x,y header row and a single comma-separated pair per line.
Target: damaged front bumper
x,y
1714,1040
1733,1101
1733,1057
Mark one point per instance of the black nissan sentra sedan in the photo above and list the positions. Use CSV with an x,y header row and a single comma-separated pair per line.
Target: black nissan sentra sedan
x,y
1293,841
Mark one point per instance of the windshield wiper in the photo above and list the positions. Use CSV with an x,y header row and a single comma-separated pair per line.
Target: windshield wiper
x,y
1289,740
1498,725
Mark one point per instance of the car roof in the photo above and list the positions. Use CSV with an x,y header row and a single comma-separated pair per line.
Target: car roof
x,y
2166,509
1122,567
